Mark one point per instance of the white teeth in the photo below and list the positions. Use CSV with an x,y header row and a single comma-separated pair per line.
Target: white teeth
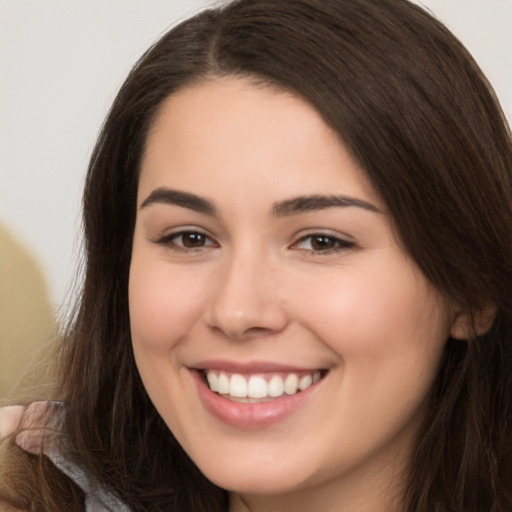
x,y
213,381
238,386
257,387
275,386
291,383
305,382
223,384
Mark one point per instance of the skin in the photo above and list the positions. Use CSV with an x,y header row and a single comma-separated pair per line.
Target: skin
x,y
260,289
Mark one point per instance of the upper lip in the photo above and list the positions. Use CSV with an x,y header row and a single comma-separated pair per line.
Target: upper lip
x,y
251,367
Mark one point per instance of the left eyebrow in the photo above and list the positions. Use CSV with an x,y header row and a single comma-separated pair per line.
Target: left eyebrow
x,y
178,198
304,204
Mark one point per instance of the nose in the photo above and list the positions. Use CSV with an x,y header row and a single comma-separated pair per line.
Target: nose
x,y
248,301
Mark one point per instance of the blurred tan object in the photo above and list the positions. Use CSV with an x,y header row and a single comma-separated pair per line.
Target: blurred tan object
x,y
27,318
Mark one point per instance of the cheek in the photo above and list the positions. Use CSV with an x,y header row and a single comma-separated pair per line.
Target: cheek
x,y
164,304
388,335
164,308
378,308
387,328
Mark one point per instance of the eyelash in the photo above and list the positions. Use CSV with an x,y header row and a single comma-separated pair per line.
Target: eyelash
x,y
170,240
336,244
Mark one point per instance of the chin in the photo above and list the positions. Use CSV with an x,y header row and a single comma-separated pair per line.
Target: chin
x,y
258,474
256,481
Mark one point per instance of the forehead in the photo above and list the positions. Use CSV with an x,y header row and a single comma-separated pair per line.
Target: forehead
x,y
248,134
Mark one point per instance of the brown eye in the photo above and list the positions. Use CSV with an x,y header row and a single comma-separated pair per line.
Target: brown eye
x,y
322,243
186,240
193,239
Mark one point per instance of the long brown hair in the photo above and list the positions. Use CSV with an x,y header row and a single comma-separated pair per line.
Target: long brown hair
x,y
416,112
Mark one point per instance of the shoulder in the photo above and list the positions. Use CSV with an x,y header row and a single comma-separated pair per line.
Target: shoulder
x,y
38,429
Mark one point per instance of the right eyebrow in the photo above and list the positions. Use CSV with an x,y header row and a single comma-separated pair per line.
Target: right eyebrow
x,y
169,196
303,204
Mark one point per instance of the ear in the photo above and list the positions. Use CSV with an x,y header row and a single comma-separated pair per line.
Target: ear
x,y
467,325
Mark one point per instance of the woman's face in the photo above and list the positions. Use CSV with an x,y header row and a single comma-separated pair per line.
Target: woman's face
x,y
265,263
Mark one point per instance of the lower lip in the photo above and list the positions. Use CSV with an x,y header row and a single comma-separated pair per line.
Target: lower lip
x,y
251,415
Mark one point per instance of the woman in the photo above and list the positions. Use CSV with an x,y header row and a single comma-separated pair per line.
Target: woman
x,y
297,295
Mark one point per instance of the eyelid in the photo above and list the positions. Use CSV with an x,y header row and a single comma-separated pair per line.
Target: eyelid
x,y
342,243
168,239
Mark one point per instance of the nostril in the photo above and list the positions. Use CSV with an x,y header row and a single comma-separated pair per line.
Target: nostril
x,y
241,310
242,333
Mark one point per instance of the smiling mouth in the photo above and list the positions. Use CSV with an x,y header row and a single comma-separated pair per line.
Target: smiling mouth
x,y
259,388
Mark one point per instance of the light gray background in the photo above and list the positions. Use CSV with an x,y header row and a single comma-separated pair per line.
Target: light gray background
x,y
61,63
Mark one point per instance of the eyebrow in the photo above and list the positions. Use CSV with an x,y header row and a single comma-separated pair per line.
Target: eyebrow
x,y
305,204
294,206
178,198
